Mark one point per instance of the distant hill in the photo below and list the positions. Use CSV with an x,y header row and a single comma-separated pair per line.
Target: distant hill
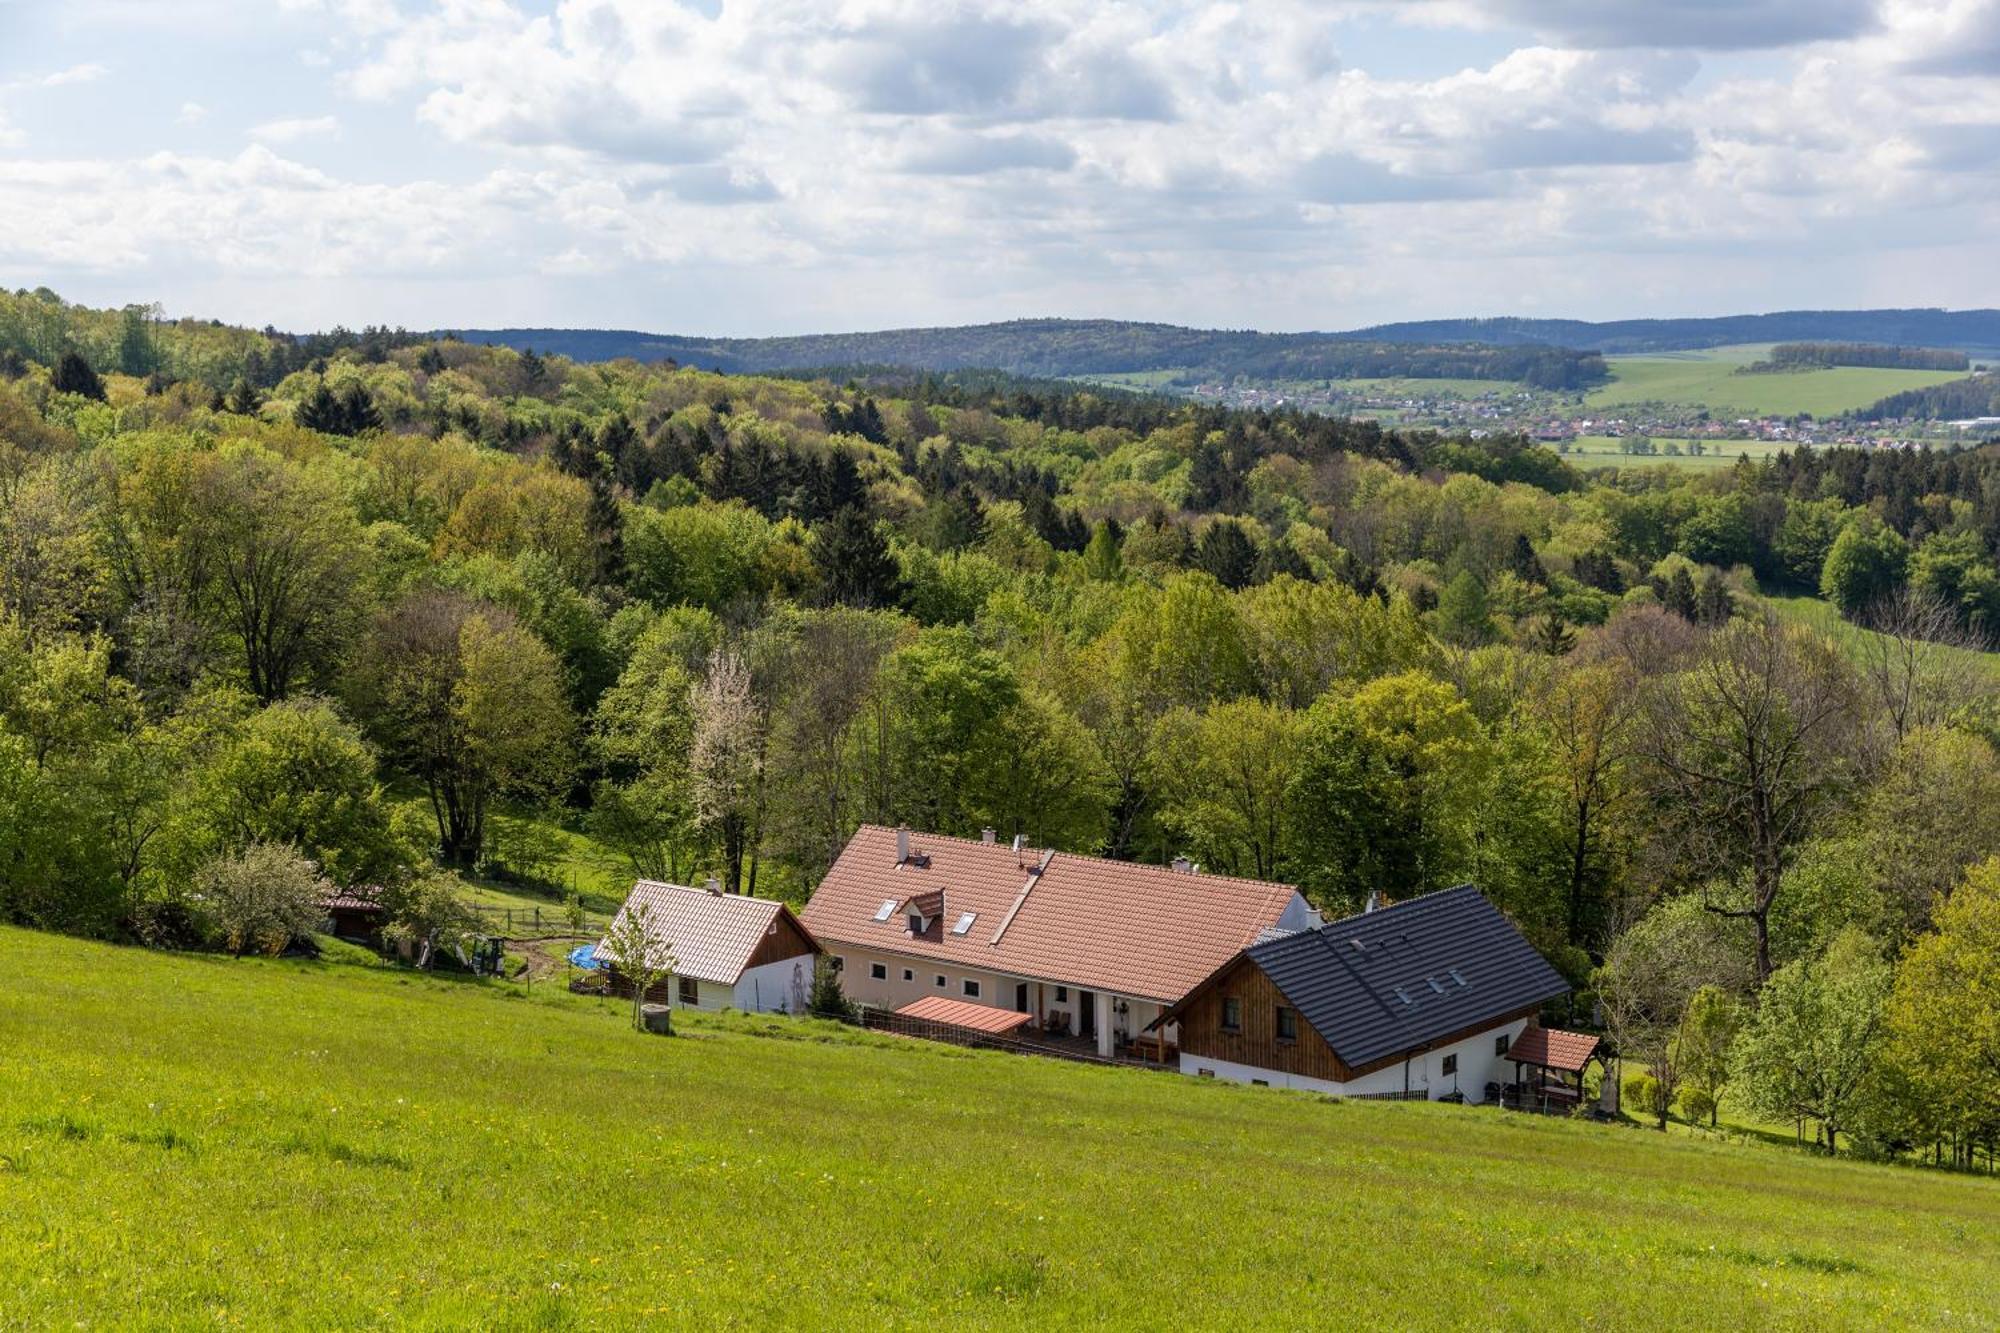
x,y
1962,330
1054,348
1550,353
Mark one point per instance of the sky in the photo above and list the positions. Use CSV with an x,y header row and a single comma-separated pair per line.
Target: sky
x,y
744,167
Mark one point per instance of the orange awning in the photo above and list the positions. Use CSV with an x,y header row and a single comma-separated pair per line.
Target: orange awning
x,y
959,1014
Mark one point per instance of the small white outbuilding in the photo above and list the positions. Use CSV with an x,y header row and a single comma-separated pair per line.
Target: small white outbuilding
x,y
727,951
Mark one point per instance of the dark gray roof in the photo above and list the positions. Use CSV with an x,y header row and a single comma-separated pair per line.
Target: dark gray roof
x,y
1400,977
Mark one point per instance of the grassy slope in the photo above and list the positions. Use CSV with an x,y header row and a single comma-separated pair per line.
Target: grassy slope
x,y
1822,616
193,1140
1709,379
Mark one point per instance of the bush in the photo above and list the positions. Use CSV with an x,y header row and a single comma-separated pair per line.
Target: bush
x,y
828,1000
260,899
1696,1105
1642,1094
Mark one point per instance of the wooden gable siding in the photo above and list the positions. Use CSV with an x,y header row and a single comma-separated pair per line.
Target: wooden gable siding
x,y
786,941
1256,1044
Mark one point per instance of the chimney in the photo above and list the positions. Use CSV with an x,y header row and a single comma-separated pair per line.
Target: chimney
x,y
986,836
1374,901
1183,866
902,844
714,886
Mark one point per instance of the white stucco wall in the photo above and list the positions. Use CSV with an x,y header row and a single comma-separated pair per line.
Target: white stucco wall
x,y
996,989
1478,1065
785,984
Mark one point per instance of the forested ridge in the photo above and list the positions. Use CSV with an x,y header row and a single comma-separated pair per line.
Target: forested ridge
x,y
1067,347
1821,355
718,621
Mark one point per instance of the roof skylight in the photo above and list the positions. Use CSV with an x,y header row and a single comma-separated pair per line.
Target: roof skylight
x,y
886,910
964,923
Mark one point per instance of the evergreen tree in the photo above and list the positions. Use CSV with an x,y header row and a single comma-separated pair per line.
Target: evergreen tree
x,y
321,411
856,566
958,520
1714,603
74,375
1523,561
357,410
1679,596
1554,636
616,441
1227,553
244,398
1281,557
430,360
606,524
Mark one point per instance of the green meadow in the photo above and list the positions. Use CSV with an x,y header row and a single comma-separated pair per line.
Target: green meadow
x,y
1823,616
1598,451
1709,379
197,1141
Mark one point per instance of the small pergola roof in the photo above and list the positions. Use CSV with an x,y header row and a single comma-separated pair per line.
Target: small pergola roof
x,y
960,1014
1553,1048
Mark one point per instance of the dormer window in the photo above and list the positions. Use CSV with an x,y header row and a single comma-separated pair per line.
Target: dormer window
x,y
920,910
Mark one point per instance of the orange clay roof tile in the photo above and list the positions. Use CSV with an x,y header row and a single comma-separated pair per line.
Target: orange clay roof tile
x,y
1142,931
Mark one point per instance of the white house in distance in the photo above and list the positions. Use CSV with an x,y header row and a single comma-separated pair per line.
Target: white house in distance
x,y
729,951
1088,947
1433,997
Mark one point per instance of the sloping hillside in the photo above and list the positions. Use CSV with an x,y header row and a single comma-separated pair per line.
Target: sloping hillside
x,y
1063,347
195,1140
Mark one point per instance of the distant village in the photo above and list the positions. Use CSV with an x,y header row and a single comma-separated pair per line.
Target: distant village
x,y
1559,419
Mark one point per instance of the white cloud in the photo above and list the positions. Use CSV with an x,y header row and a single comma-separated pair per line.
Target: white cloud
x,y
191,113
887,161
86,73
291,131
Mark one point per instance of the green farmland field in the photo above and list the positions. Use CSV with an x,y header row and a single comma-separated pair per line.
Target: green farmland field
x,y
194,1141
1596,451
1709,379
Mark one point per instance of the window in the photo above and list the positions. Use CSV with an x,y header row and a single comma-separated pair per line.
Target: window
x,y
972,988
909,974
1206,1073
1062,995
1449,1066
1501,1043
940,980
690,991
1232,1015
839,963
1260,1082
878,971
1288,1024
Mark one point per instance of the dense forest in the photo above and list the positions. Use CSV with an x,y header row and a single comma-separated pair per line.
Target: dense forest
x,y
1821,356
1958,400
250,583
1067,347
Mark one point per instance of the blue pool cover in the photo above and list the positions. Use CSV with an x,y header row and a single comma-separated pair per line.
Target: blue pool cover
x,y
580,956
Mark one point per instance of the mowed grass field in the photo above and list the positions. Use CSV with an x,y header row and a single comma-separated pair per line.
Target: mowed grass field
x,y
197,1141
1599,451
1708,379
